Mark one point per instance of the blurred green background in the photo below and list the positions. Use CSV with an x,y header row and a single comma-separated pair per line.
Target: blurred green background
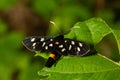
x,y
20,18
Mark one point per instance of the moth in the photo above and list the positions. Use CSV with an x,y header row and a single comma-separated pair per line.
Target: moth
x,y
58,46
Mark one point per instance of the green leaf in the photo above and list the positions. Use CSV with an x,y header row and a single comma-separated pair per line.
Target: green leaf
x,y
95,67
91,31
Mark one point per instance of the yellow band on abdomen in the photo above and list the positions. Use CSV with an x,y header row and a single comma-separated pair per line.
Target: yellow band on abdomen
x,y
52,56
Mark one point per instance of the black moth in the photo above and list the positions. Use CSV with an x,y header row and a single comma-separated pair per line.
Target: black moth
x,y
58,46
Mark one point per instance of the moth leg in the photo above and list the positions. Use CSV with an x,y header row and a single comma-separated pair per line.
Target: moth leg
x,y
53,59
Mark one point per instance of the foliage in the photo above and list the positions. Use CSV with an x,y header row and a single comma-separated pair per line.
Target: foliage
x,y
6,4
16,63
91,67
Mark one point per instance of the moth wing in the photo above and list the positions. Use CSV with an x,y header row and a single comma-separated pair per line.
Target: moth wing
x,y
76,48
35,43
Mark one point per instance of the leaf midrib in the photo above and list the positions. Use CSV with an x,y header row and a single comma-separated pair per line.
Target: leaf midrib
x,y
109,70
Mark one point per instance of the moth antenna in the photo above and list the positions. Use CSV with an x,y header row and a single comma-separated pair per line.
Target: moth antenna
x,y
75,27
67,31
58,29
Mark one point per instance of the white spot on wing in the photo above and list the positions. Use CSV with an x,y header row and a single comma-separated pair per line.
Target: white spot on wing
x,y
33,47
33,44
33,39
63,50
42,39
72,42
65,41
60,46
51,39
46,47
80,44
70,47
78,48
43,44
50,45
